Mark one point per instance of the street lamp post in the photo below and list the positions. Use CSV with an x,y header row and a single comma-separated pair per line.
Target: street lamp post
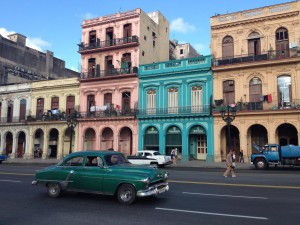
x,y
228,115
72,123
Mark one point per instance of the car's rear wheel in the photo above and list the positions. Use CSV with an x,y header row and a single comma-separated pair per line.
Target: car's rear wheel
x,y
154,165
54,190
126,194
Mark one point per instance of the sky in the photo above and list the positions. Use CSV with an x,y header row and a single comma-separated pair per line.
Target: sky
x,y
56,25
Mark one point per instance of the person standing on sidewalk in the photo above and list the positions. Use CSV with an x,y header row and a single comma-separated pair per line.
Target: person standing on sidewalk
x,y
242,156
229,164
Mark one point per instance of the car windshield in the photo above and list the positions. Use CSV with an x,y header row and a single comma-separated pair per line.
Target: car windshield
x,y
115,159
156,153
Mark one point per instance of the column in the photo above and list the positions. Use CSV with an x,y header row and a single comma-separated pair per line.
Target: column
x,y
28,106
2,143
16,111
185,148
60,153
45,145
14,146
29,146
4,111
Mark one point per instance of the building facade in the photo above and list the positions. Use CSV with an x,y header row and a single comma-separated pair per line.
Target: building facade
x,y
111,50
256,70
15,106
52,102
21,64
175,107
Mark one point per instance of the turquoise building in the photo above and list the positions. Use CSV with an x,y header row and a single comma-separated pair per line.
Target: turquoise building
x,y
175,99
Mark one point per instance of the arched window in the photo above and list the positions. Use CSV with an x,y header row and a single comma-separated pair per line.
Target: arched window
x,y
227,47
254,46
282,42
196,99
255,89
151,101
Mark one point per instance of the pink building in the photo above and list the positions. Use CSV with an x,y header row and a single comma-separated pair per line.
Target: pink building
x,y
111,50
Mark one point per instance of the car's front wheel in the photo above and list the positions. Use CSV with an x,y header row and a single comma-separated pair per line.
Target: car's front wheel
x,y
54,190
261,164
126,194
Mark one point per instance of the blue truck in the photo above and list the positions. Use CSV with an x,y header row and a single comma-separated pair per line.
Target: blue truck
x,y
3,158
274,154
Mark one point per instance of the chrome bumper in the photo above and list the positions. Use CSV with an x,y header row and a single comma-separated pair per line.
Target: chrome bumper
x,y
153,190
34,182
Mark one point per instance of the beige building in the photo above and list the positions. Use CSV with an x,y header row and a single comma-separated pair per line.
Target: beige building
x,y
52,102
256,69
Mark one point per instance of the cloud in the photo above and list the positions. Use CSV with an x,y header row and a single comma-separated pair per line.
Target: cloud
x,y
88,16
35,43
179,25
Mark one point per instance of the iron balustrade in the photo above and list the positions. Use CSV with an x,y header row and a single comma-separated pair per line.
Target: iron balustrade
x,y
109,113
12,119
191,110
108,43
269,55
109,73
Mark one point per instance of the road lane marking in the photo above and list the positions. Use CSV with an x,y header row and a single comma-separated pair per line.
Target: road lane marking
x,y
232,196
19,174
213,214
235,185
14,181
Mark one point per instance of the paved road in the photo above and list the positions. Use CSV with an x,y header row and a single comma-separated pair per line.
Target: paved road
x,y
195,197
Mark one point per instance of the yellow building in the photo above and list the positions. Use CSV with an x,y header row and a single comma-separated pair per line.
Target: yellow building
x,y
256,69
52,102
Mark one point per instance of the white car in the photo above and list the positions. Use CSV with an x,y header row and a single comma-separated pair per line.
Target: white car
x,y
150,157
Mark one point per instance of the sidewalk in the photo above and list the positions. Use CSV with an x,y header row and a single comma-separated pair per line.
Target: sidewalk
x,y
191,163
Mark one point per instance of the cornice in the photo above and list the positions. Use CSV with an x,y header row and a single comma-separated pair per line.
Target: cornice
x,y
256,20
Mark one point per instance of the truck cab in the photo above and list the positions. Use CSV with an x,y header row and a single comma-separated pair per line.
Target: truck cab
x,y
269,155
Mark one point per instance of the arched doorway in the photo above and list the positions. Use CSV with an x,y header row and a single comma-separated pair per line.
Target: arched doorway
x,y
234,140
89,139
151,139
287,134
38,143
125,142
258,135
21,144
173,140
107,139
197,143
53,143
9,143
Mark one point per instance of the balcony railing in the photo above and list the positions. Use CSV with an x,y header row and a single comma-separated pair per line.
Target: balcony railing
x,y
109,113
13,119
269,55
263,106
172,111
108,43
109,73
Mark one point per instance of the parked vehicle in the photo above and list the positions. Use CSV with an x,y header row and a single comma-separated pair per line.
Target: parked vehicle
x,y
156,159
102,172
142,160
274,154
3,158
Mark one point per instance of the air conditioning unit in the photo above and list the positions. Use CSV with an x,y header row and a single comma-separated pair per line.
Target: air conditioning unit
x,y
231,83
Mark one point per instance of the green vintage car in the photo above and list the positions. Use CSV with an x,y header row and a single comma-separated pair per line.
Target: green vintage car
x,y
102,172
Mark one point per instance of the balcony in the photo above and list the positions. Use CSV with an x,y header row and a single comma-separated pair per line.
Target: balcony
x,y
176,111
108,113
266,56
263,106
50,115
109,73
108,45
12,119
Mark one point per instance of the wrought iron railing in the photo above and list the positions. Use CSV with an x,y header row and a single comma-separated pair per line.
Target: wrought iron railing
x,y
109,113
108,43
12,119
109,73
192,110
269,55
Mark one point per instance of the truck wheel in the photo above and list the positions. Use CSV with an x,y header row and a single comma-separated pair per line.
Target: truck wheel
x,y
126,194
54,190
261,164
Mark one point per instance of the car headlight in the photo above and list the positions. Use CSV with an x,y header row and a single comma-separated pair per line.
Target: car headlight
x,y
166,175
146,181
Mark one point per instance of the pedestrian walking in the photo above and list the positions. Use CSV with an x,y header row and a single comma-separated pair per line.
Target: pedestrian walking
x,y
174,155
229,164
241,155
